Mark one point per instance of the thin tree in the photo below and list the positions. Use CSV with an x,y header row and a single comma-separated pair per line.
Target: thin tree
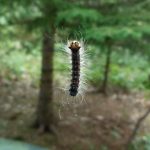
x,y
108,43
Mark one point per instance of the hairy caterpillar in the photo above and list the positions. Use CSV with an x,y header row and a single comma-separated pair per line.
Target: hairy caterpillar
x,y
78,68
74,80
75,47
74,60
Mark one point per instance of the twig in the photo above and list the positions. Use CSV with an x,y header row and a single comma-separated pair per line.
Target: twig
x,y
136,128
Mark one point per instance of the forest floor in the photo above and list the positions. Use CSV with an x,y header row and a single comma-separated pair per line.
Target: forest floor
x,y
97,122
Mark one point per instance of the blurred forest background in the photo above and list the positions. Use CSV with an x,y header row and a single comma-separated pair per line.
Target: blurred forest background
x,y
117,41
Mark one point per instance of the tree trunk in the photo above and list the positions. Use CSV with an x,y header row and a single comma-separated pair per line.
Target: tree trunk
x,y
104,85
45,116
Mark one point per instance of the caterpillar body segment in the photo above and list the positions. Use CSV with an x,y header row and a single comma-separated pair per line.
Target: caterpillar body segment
x,y
75,58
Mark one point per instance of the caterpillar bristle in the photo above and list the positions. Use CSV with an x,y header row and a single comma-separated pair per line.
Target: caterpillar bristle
x,y
75,60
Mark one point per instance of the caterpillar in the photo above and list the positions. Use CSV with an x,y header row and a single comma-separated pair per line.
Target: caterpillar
x,y
75,60
75,86
75,57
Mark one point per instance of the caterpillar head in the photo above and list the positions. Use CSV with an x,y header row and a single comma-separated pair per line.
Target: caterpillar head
x,y
74,45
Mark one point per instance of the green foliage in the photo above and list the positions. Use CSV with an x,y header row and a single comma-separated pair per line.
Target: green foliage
x,y
127,70
125,22
20,65
109,1
19,57
141,143
78,16
130,71
117,33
